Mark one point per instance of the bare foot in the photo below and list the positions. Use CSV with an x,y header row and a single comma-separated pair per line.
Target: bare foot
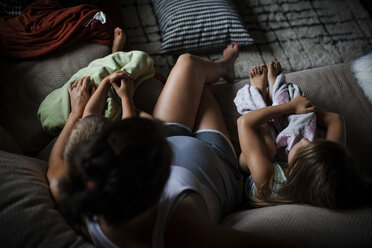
x,y
230,54
119,40
258,78
274,70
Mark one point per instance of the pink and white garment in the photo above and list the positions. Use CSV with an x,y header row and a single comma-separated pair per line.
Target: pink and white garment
x,y
290,129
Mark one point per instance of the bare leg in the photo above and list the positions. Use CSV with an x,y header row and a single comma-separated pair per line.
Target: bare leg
x,y
180,99
119,40
274,70
209,114
258,78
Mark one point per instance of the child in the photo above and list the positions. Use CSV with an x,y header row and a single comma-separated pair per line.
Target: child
x,y
320,173
93,120
55,108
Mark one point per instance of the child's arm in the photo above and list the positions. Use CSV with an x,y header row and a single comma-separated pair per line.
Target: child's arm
x,y
79,96
252,145
96,103
335,125
125,90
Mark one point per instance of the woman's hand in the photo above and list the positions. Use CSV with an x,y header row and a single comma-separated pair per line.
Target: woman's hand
x,y
123,83
79,95
301,105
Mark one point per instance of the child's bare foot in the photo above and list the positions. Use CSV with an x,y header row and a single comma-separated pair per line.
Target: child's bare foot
x,y
119,40
258,78
274,70
230,54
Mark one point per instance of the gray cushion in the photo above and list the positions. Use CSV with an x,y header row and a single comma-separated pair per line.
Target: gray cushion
x,y
310,226
199,26
26,83
7,142
28,216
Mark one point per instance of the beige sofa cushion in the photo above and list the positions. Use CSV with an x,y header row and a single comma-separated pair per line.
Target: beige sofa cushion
x,y
7,142
307,226
28,216
26,83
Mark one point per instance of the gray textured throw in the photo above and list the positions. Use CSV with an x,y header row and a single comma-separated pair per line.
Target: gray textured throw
x,y
301,34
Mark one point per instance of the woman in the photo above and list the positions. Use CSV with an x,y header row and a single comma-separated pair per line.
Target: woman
x,y
131,186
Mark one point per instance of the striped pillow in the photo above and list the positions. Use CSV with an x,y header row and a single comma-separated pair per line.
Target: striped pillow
x,y
199,26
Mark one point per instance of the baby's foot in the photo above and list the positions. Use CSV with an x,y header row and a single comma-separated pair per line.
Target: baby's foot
x,y
258,78
119,40
274,70
230,54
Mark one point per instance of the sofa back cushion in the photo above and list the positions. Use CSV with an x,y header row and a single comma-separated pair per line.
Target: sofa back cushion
x,y
25,84
307,226
29,216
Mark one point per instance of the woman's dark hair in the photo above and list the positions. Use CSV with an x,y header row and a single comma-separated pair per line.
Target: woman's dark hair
x,y
118,174
323,174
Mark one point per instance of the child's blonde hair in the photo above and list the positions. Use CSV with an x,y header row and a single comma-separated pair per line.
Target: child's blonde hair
x,y
323,174
83,130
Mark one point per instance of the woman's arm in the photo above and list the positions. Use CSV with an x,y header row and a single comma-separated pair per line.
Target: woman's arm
x,y
79,96
252,145
335,126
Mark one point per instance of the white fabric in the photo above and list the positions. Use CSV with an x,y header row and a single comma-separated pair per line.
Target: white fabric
x,y
180,182
290,129
362,69
99,239
279,179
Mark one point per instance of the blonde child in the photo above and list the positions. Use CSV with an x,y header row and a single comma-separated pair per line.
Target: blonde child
x,y
320,172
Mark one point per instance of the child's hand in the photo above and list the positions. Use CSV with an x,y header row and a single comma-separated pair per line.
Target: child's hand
x,y
123,85
302,105
79,95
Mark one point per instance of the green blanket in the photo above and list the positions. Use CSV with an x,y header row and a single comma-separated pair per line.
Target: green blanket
x,y
55,108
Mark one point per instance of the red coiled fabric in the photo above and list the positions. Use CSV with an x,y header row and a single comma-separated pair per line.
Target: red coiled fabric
x,y
46,25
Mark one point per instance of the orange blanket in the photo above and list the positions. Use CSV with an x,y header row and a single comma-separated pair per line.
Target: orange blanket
x,y
45,26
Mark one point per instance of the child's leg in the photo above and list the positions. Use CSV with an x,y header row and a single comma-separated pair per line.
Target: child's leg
x,y
97,101
180,99
274,70
258,78
119,40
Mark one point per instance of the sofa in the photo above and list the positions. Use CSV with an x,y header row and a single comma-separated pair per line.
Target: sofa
x,y
30,218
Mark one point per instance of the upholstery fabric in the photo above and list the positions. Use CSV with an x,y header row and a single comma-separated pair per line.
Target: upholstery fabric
x,y
199,26
307,226
28,216
26,83
7,142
